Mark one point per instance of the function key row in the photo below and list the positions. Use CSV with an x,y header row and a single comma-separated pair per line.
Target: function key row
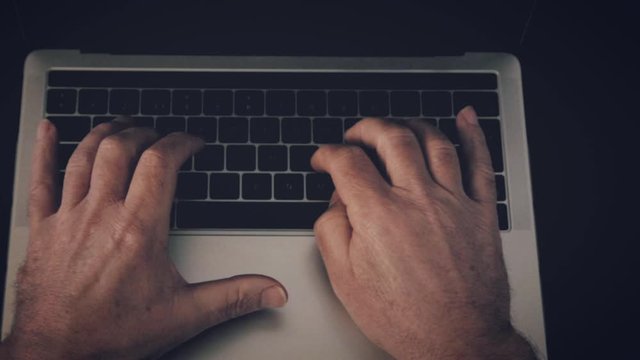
x,y
269,102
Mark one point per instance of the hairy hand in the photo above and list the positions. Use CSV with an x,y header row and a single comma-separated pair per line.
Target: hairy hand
x,y
417,259
97,281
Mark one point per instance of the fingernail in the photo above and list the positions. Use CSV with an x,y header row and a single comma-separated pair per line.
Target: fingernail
x,y
273,297
469,114
42,129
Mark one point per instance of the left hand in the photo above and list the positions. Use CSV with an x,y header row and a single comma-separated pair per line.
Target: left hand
x,y
97,281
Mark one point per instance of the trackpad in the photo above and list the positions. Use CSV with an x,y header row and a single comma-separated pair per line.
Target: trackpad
x,y
313,324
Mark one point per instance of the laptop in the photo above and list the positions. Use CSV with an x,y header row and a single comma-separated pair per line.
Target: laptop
x,y
248,201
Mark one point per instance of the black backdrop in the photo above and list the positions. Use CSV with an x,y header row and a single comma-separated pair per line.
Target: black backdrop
x,y
580,71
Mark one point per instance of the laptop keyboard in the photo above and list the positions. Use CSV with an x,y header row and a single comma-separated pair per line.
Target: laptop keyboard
x,y
261,129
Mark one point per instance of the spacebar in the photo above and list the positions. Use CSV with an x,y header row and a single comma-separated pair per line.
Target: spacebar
x,y
248,215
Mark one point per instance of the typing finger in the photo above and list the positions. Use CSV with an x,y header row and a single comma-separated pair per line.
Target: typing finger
x,y
357,181
115,160
42,199
398,149
482,183
154,180
78,172
440,155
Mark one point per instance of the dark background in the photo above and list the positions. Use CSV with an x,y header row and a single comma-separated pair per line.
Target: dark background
x,y
580,73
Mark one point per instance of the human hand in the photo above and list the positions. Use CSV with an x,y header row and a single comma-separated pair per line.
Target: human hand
x,y
97,281
417,261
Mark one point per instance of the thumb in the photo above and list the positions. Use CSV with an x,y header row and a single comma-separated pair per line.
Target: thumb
x,y
210,303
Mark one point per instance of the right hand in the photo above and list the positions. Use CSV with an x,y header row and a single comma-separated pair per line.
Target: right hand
x,y
417,260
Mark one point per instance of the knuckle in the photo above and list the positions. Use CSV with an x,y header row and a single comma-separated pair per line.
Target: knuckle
x,y
323,221
113,145
238,303
485,171
81,159
343,155
399,132
156,158
131,234
445,153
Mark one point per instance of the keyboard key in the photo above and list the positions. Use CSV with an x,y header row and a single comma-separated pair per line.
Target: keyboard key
x,y
168,124
124,101
312,103
192,185
288,187
503,217
501,190
218,102
281,102
97,120
248,215
349,122
241,157
61,101
265,130
155,102
234,129
204,127
436,103
343,103
491,128
319,187
405,103
374,103
64,153
485,103
249,102
224,186
144,121
210,158
327,130
71,128
92,101
296,130
272,158
301,157
256,186
186,102
448,127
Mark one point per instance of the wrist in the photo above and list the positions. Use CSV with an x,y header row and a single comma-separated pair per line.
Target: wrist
x,y
22,347
505,345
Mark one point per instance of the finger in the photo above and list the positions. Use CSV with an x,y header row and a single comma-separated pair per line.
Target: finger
x,y
398,149
207,304
77,177
42,197
356,179
440,154
115,161
154,180
333,234
482,182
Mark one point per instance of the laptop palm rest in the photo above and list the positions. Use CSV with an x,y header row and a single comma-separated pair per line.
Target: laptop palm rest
x,y
313,324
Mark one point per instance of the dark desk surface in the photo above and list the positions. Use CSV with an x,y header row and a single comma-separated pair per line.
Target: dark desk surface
x,y
580,84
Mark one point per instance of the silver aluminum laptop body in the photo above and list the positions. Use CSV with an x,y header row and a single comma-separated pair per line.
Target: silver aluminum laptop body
x,y
313,325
